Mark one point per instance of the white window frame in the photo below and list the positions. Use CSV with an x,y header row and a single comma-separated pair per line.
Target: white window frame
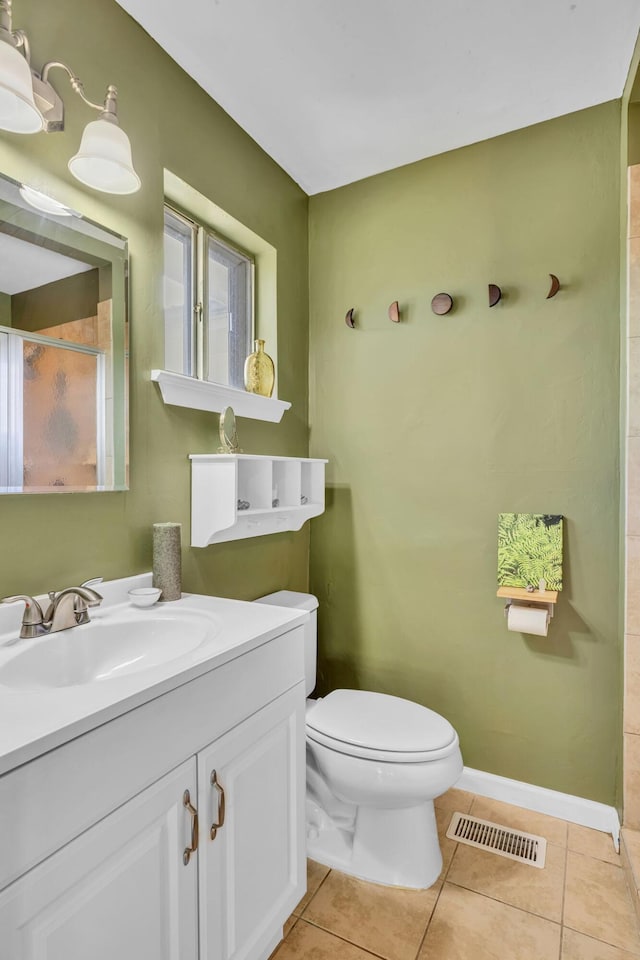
x,y
195,319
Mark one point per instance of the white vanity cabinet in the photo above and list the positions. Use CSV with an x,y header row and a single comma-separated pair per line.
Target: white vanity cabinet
x,y
120,890
250,867
96,830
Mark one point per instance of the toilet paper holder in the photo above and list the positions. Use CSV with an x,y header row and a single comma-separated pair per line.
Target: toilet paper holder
x,y
528,598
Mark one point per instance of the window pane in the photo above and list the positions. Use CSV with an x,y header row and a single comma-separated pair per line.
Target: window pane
x,y
218,321
229,320
178,294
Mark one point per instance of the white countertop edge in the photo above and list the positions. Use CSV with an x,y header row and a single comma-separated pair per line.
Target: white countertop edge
x,y
143,687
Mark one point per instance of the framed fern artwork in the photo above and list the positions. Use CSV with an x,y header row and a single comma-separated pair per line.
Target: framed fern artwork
x,y
530,550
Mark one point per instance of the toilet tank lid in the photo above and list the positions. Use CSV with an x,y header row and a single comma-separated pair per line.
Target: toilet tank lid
x,y
289,598
380,721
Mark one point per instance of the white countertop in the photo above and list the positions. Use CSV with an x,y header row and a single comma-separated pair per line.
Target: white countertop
x,y
35,721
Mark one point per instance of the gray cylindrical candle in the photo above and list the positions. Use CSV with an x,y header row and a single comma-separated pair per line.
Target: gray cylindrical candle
x,y
167,566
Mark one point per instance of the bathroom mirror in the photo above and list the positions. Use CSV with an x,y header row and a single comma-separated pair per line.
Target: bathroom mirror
x,y
63,348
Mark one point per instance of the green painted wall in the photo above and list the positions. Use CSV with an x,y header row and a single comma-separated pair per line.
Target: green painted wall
x,y
435,425
5,310
53,541
62,301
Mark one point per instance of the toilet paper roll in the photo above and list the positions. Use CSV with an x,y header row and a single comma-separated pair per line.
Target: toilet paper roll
x,y
523,619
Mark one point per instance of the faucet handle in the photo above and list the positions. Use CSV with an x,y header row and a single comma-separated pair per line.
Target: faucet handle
x,y
32,609
92,583
32,617
91,599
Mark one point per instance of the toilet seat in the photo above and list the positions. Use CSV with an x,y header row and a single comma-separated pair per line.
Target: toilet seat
x,y
377,726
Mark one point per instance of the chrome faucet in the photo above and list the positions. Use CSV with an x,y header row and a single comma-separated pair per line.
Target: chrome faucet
x,y
32,620
68,608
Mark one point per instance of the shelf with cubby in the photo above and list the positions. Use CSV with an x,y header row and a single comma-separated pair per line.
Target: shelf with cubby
x,y
282,493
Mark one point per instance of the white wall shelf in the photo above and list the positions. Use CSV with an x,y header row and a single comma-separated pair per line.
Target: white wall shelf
x,y
219,482
181,391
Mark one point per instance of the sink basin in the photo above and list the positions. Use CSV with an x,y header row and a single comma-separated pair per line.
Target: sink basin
x,y
106,649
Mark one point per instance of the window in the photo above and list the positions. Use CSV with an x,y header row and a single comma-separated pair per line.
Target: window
x,y
208,303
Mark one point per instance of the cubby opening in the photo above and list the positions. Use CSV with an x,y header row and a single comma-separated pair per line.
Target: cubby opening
x,y
254,485
312,482
286,483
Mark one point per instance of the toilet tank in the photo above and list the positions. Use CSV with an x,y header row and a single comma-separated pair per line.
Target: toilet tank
x,y
301,601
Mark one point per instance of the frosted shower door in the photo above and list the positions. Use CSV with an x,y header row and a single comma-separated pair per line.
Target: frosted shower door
x,y
60,417
56,415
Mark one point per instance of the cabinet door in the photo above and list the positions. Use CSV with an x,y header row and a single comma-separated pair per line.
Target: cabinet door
x,y
120,891
252,873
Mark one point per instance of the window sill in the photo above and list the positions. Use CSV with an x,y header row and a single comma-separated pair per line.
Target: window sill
x,y
181,391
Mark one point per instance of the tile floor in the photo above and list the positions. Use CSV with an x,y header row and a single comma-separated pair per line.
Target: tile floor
x,y
483,907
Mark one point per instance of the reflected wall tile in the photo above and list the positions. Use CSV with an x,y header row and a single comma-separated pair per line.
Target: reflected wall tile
x,y
633,487
631,816
631,723
633,349
632,619
633,329
634,200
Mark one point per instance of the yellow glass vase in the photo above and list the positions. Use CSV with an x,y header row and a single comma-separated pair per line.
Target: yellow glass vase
x,y
259,371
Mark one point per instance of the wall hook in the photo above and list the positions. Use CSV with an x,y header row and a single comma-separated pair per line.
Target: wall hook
x,y
495,294
394,312
350,322
555,286
441,304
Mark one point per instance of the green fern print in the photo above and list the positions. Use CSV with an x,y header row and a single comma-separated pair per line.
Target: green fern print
x,y
530,550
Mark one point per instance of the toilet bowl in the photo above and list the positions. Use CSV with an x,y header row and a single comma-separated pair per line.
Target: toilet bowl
x,y
375,764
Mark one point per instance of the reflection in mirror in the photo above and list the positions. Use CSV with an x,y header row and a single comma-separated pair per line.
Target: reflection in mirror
x,y
63,350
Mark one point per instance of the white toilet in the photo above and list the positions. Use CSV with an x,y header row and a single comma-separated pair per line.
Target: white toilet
x,y
375,763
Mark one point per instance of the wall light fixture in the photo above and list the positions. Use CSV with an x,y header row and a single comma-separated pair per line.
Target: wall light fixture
x,y
29,104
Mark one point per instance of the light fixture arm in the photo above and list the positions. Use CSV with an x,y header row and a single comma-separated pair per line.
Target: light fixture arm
x,y
22,41
17,38
6,25
51,105
110,105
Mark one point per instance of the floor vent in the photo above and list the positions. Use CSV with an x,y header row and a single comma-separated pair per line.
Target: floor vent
x,y
514,844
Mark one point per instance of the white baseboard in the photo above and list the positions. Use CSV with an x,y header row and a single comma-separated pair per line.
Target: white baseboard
x,y
588,813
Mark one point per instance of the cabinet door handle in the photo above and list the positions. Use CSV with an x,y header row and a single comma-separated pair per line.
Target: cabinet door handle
x,y
186,802
219,821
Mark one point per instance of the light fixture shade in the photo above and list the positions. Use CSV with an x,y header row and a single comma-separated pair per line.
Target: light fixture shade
x,y
104,159
18,112
44,203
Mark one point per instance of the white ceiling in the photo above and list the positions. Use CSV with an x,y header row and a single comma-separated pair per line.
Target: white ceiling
x,y
337,90
24,266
